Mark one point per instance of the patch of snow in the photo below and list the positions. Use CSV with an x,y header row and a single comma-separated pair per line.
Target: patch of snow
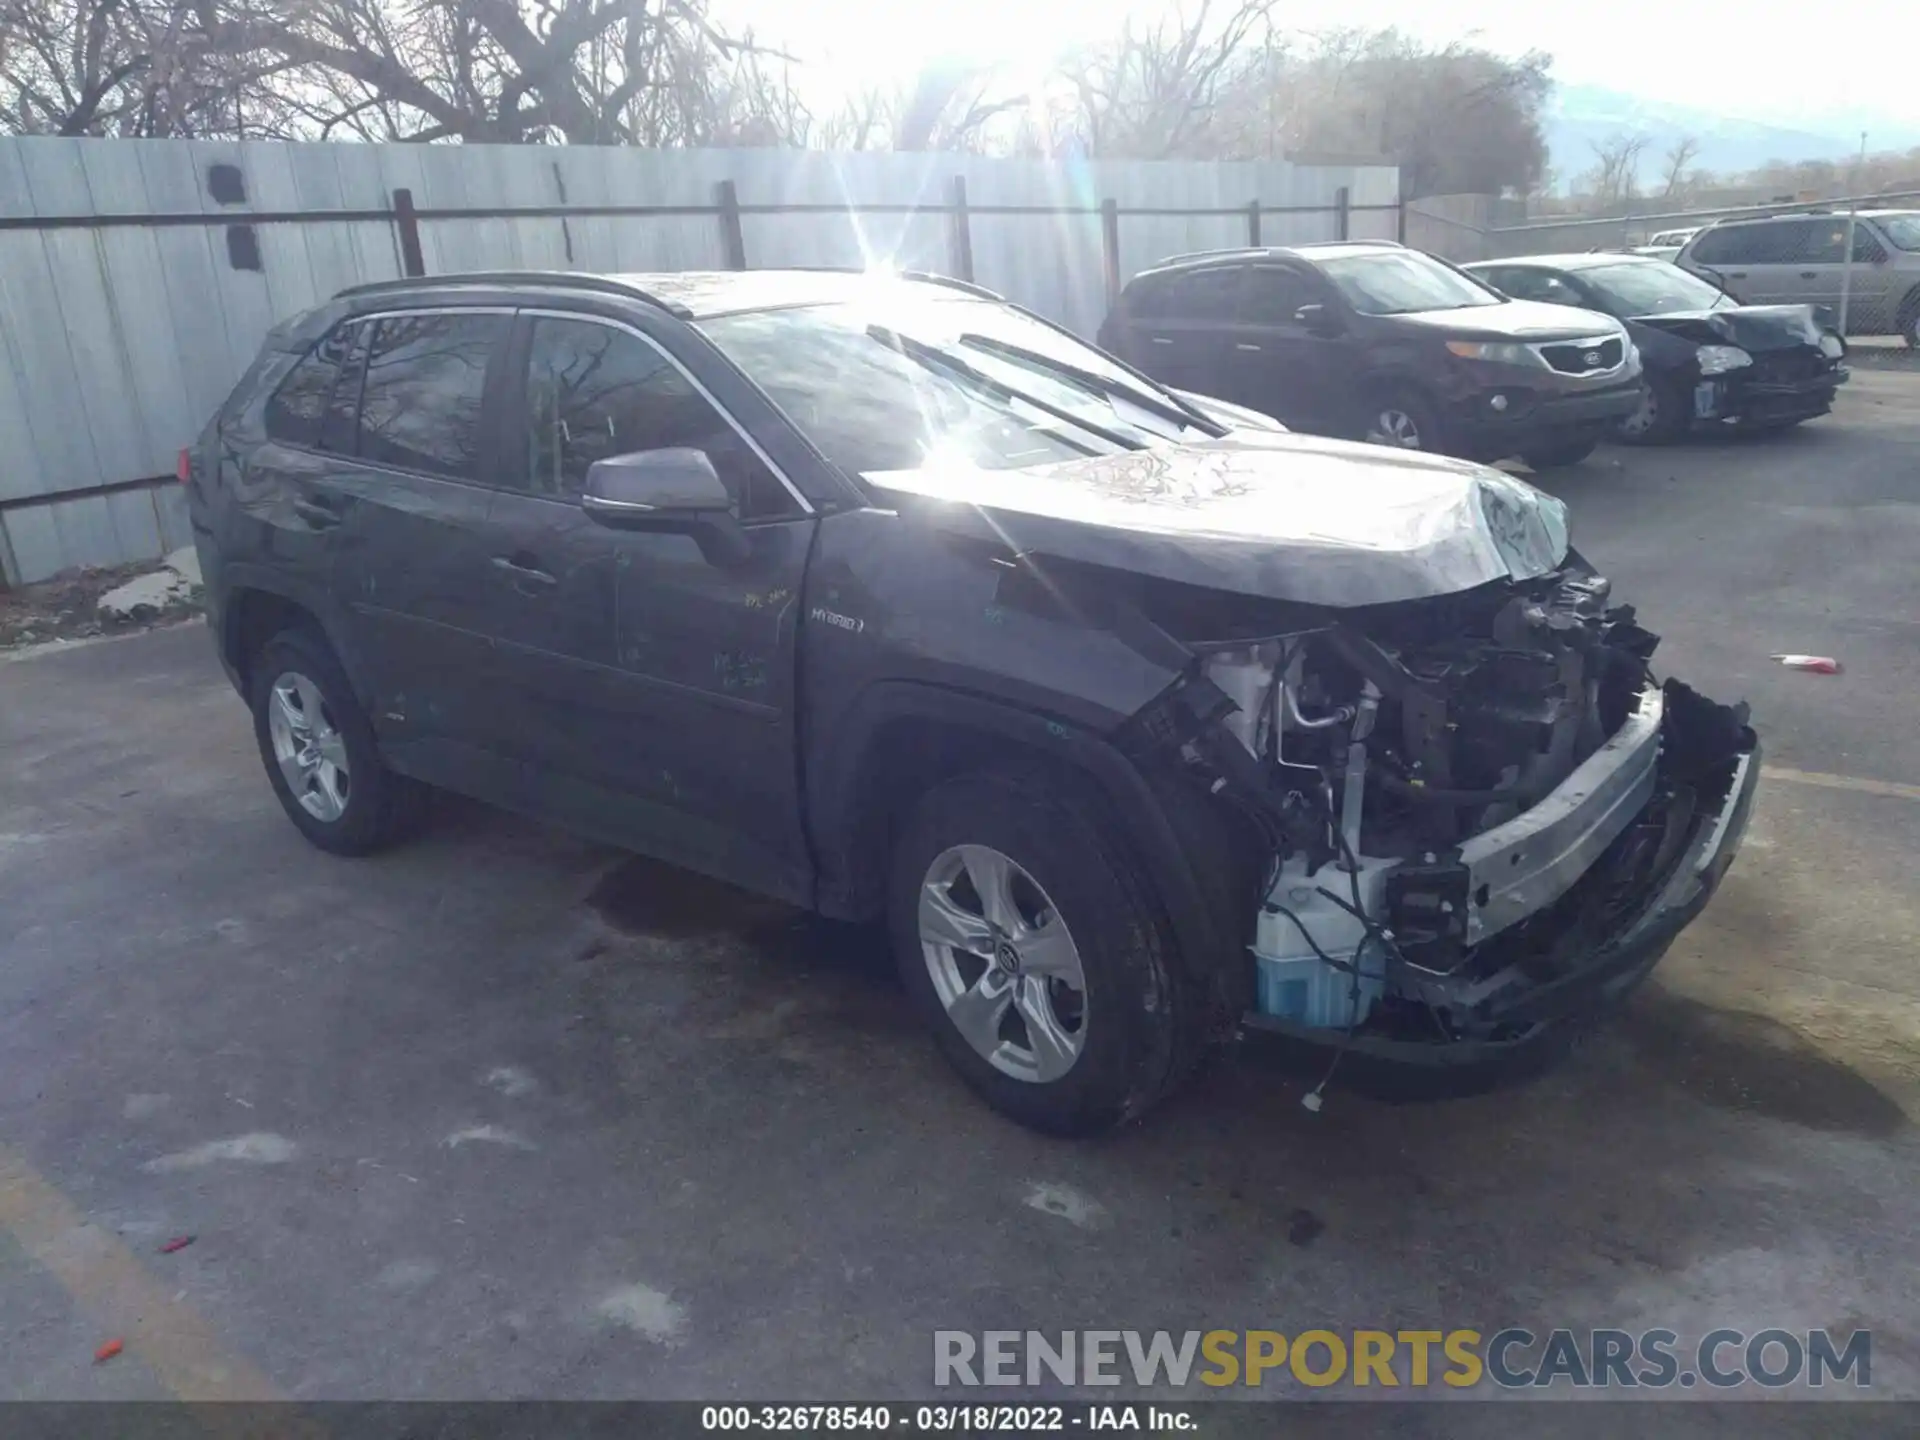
x,y
259,1148
185,562
1067,1203
488,1135
145,595
646,1311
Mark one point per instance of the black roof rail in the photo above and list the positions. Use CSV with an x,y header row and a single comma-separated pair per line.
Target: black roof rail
x,y
1184,256
557,279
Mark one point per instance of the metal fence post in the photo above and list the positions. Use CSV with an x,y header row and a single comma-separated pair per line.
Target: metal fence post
x,y
961,234
732,237
1400,220
1343,211
412,262
1110,246
1253,223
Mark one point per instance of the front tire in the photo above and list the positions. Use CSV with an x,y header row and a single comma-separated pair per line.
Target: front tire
x,y
1405,420
1037,955
1664,415
1564,452
319,749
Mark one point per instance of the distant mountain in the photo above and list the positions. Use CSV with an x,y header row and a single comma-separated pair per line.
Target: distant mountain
x,y
1582,116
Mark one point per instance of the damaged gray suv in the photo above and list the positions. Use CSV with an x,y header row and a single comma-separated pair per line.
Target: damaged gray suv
x,y
1144,725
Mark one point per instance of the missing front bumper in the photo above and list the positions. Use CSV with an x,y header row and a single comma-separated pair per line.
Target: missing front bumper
x,y
1526,1023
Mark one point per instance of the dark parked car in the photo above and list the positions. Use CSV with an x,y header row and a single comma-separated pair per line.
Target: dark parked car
x,y
1140,723
1373,341
1709,360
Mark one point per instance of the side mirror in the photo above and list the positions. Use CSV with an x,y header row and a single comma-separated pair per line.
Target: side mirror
x,y
674,490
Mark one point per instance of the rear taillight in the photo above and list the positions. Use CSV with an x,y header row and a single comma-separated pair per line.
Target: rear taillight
x,y
183,467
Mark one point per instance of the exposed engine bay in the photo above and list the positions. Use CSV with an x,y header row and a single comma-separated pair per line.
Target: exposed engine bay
x,y
1463,800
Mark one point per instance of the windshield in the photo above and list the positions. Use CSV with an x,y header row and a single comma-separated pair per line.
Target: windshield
x,y
1650,289
1403,282
912,378
1902,230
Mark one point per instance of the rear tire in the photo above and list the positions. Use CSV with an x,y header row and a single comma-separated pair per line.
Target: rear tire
x,y
1094,1056
319,750
1566,452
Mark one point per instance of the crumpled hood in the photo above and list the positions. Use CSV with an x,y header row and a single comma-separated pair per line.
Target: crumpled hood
x,y
1754,328
1290,517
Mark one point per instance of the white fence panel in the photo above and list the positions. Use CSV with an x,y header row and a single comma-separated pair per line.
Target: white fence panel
x,y
126,313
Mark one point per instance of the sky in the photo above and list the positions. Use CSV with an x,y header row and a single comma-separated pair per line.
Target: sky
x,y
1783,65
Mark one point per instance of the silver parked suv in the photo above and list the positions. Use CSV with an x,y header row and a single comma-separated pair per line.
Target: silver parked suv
x,y
1799,260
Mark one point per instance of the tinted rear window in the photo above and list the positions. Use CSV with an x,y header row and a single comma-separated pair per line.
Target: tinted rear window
x,y
1820,241
425,392
1212,294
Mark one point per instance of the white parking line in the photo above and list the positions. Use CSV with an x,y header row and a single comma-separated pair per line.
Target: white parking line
x,y
1892,789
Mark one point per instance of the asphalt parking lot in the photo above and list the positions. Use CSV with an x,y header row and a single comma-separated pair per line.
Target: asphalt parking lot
x,y
507,1114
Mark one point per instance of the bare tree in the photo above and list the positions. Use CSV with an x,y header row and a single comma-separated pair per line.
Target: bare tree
x,y
1155,92
1679,156
1615,176
114,67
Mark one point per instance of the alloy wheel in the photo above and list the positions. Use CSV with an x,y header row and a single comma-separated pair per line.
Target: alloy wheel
x,y
308,746
1004,966
1393,426
1646,416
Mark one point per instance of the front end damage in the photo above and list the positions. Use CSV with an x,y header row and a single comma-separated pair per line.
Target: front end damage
x,y
1483,819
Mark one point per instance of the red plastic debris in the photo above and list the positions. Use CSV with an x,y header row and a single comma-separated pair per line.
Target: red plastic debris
x,y
1814,664
179,1242
107,1351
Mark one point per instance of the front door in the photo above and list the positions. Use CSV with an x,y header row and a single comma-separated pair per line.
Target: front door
x,y
1300,370
650,689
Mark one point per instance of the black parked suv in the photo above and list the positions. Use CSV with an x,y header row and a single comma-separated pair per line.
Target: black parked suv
x,y
1140,722
1373,341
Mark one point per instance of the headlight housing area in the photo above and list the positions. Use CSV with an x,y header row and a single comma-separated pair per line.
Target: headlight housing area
x,y
1496,352
1719,359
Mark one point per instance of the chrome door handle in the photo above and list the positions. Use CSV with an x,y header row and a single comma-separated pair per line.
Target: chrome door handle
x,y
1160,339
1243,345
521,572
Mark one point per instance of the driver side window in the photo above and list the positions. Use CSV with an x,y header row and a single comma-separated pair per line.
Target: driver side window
x,y
594,391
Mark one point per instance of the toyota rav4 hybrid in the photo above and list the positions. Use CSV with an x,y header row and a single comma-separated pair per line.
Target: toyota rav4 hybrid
x,y
1142,723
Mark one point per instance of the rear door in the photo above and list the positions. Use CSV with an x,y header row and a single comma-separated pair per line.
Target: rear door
x,y
1788,262
1732,256
413,560
1176,326
649,689
1302,372
292,489
1875,287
